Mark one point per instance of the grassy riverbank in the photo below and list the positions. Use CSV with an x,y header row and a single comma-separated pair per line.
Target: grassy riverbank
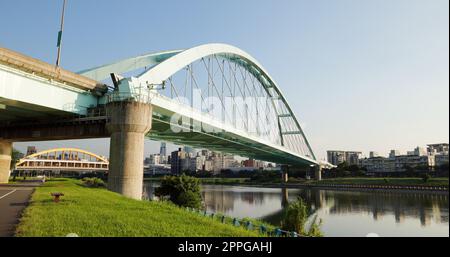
x,y
94,212
337,181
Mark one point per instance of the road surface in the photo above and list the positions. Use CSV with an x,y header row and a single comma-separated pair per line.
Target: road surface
x,y
13,200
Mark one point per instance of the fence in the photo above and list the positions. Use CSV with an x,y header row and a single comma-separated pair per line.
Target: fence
x,y
262,229
402,187
142,96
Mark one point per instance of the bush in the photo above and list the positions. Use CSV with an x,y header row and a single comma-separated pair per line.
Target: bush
x,y
93,182
426,177
189,199
183,190
296,217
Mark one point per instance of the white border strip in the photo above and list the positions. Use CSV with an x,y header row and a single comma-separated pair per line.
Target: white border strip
x,y
8,194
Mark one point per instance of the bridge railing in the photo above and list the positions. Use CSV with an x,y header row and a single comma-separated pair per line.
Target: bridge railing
x,y
142,96
247,224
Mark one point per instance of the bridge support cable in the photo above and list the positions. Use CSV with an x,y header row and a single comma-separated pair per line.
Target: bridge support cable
x,y
225,78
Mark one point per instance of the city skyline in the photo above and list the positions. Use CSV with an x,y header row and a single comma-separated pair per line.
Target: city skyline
x,y
366,73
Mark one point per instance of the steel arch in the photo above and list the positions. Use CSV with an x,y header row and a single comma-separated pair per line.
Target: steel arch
x,y
165,64
61,150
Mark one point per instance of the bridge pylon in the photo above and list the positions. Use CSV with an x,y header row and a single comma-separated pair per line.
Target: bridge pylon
x,y
5,160
128,123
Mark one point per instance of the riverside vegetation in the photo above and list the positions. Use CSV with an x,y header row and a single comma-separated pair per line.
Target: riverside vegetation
x,y
97,212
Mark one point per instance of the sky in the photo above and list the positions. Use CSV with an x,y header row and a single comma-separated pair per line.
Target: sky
x,y
367,75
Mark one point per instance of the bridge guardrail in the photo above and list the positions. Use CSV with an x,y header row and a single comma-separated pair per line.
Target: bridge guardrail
x,y
143,96
426,188
277,232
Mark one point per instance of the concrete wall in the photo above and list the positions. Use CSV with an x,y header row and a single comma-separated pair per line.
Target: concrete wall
x,y
5,160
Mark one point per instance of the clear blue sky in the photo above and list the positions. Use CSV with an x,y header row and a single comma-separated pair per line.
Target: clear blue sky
x,y
360,74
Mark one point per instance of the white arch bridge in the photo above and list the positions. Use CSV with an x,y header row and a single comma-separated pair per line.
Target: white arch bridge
x,y
213,96
63,159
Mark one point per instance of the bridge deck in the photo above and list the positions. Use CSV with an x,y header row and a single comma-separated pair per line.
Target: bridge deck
x,y
43,69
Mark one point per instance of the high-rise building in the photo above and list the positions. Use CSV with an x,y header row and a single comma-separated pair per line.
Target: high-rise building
x,y
441,148
163,149
178,162
352,158
217,162
420,151
435,155
252,163
190,151
373,154
31,150
155,159
440,159
338,157
163,153
206,153
440,153
394,153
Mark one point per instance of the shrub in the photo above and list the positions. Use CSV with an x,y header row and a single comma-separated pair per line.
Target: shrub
x,y
93,182
183,190
296,217
314,229
189,199
426,177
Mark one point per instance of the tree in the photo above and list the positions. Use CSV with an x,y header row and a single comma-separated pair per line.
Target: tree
x,y
410,171
426,177
444,167
15,156
342,166
182,190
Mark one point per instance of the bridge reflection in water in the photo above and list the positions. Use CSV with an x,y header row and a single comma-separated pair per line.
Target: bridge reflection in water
x,y
344,213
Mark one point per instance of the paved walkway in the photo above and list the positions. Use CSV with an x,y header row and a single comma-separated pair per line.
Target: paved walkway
x,y
13,200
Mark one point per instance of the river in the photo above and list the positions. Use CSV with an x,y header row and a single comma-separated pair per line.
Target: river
x,y
343,213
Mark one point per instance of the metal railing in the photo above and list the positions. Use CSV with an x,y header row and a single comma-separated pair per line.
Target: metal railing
x,y
142,95
247,224
371,187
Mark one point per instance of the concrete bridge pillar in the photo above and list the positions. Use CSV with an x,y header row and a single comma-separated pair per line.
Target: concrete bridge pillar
x,y
5,160
284,173
318,173
128,123
284,197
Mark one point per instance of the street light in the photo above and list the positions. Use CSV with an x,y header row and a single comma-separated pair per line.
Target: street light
x,y
58,58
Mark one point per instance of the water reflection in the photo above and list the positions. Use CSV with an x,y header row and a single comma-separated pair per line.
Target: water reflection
x,y
344,213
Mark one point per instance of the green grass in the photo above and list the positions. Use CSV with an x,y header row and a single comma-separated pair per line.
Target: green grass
x,y
94,212
382,181
21,180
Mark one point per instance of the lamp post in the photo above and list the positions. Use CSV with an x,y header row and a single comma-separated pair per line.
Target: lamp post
x,y
58,58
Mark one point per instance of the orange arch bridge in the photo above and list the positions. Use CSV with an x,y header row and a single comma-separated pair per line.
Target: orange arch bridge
x,y
63,159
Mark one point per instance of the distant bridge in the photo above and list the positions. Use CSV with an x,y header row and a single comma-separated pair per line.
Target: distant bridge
x,y
63,159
